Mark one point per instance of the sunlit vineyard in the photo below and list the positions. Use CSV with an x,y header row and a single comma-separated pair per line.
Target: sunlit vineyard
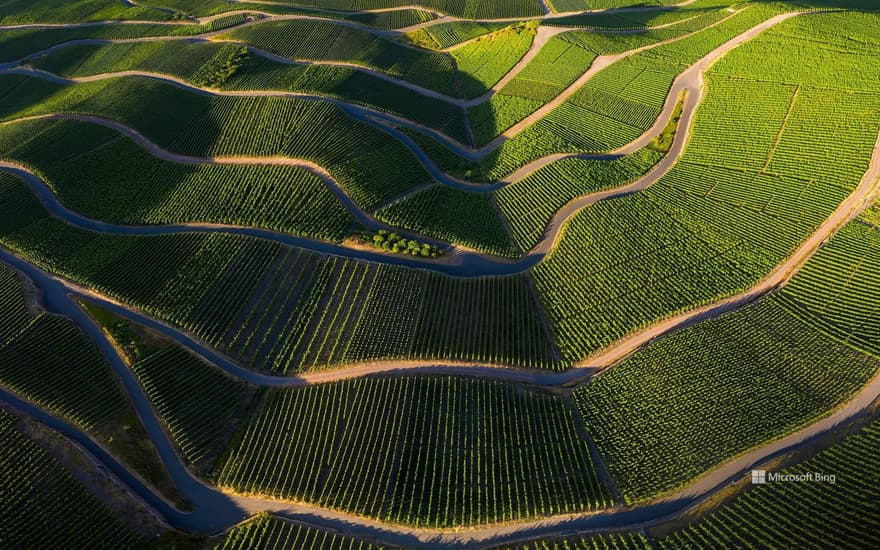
x,y
775,374
329,42
357,274
828,513
354,153
468,432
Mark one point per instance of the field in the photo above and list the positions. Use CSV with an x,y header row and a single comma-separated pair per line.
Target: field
x,y
16,12
622,101
482,62
322,41
530,204
91,178
837,517
365,274
719,220
828,513
837,291
35,485
461,431
355,153
173,379
774,372
457,216
275,307
267,532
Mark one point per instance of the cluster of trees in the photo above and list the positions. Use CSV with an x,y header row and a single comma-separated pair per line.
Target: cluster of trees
x,y
395,243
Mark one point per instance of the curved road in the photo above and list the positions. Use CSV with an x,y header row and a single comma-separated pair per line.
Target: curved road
x,y
689,81
848,209
460,263
474,154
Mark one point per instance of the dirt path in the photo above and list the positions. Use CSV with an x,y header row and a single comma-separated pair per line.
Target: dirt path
x,y
360,215
854,204
859,199
543,35
477,264
216,509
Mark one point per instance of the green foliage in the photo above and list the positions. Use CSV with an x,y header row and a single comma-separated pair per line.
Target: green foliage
x,y
463,217
446,159
465,9
390,20
220,68
51,363
837,290
14,315
618,541
483,62
765,166
43,505
370,164
446,35
265,533
851,522
398,436
124,334
362,88
326,41
227,66
282,308
392,242
19,12
710,392
623,100
100,175
199,404
530,204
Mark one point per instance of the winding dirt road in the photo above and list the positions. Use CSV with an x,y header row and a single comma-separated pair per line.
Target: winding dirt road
x,y
215,510
689,81
859,199
543,35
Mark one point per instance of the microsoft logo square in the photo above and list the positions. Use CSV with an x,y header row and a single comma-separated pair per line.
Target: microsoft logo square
x,y
759,477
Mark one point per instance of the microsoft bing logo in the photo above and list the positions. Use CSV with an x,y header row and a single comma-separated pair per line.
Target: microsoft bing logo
x,y
759,477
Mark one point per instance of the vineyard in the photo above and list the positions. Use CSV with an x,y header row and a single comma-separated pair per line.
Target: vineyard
x,y
623,100
197,403
774,372
267,532
559,63
369,164
446,35
487,59
828,513
837,515
324,41
461,217
356,274
837,291
530,204
329,445
86,177
719,220
286,309
44,505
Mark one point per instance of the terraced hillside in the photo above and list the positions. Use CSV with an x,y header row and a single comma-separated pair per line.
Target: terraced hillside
x,y
453,274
